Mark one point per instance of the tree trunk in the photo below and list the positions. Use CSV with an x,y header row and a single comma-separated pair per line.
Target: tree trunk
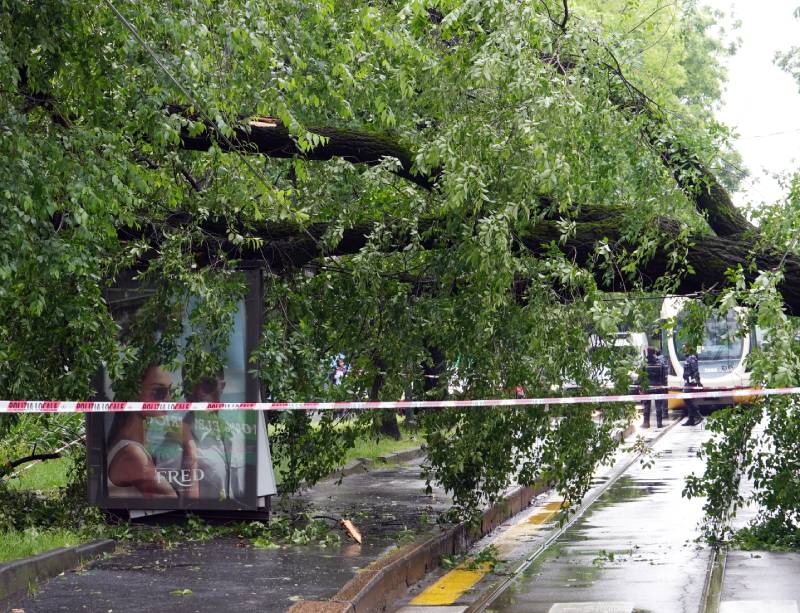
x,y
389,426
710,257
433,369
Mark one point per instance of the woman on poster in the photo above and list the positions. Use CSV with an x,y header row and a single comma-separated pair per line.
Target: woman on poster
x,y
131,469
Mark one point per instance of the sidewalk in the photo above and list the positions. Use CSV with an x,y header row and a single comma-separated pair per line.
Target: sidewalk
x,y
227,574
570,569
758,581
401,542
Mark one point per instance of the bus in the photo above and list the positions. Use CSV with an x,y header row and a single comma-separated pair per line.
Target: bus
x,y
722,356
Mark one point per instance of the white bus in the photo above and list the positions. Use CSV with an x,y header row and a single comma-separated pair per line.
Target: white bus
x,y
722,357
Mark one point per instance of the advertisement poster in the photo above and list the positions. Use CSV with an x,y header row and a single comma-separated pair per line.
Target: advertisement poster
x,y
202,460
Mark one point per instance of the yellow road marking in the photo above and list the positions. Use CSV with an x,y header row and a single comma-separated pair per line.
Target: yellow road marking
x,y
537,519
454,584
449,588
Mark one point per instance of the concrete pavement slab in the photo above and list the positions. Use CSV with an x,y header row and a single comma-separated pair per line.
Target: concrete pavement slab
x,y
635,544
592,607
511,544
756,581
761,576
758,606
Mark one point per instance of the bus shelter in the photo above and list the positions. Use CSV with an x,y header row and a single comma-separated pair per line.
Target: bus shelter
x,y
200,461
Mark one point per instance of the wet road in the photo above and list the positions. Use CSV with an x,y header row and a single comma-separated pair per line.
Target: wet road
x,y
633,550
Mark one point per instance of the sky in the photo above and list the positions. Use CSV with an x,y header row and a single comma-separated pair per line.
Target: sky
x,y
762,102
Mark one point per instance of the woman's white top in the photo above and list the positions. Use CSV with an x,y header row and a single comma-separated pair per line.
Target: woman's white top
x,y
119,491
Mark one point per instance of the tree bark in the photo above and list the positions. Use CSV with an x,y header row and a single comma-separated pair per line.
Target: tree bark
x,y
9,466
268,136
389,426
700,185
710,198
710,257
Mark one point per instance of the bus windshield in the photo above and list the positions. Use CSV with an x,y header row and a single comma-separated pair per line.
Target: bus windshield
x,y
721,350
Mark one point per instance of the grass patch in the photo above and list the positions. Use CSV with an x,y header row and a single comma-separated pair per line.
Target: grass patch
x,y
372,449
367,448
42,476
50,475
16,545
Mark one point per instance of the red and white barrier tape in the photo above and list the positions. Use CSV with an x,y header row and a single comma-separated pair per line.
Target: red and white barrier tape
x,y
58,406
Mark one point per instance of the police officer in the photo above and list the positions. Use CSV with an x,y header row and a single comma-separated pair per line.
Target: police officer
x,y
691,378
656,383
662,359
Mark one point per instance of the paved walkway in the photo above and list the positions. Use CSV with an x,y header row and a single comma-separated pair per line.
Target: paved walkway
x,y
225,574
634,549
759,581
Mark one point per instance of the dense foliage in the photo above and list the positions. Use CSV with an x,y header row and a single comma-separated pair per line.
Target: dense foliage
x,y
753,457
517,174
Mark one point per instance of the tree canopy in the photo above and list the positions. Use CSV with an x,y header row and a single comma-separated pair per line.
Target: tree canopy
x,y
441,190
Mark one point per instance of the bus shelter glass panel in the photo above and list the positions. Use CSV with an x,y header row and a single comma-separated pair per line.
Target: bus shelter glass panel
x,y
202,460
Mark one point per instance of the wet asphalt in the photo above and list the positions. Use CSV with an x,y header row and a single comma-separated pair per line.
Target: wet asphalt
x,y
226,574
636,546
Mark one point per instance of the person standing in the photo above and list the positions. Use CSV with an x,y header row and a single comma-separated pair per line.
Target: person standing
x,y
339,370
656,383
662,360
691,379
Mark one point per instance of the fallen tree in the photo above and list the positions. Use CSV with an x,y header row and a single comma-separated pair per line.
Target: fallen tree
x,y
451,192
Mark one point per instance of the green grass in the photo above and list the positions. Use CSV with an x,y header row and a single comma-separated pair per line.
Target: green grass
x,y
48,476
16,545
43,476
371,449
364,448
52,474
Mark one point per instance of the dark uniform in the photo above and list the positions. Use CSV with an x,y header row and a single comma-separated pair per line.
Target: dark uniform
x,y
657,384
665,365
691,378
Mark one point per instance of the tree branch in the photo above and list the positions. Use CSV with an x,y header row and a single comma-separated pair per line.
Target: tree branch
x,y
268,136
691,175
708,257
30,458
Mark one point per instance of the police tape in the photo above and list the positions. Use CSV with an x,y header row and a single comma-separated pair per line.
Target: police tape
x,y
65,406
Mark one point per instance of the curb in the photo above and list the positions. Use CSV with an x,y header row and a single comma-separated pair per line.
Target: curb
x,y
715,575
488,595
18,575
377,587
363,465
